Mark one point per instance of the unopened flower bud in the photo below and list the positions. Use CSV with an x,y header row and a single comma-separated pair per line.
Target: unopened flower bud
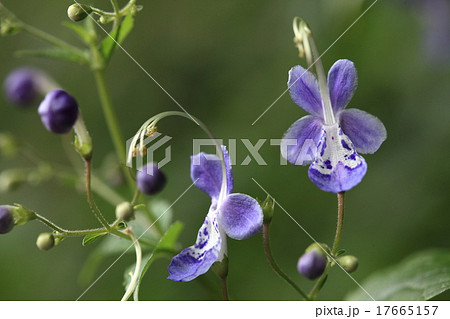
x,y
21,86
124,211
6,219
150,179
45,241
268,206
78,12
349,263
312,264
58,111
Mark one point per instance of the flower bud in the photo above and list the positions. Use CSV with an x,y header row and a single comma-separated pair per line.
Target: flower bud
x,y
78,12
58,111
6,220
312,264
349,263
268,206
21,86
150,180
124,211
45,241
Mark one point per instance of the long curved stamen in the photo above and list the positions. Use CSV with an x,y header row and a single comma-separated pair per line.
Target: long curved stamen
x,y
305,42
151,123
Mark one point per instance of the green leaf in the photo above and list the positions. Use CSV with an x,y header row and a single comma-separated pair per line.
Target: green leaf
x,y
80,30
109,43
89,239
56,53
164,248
421,276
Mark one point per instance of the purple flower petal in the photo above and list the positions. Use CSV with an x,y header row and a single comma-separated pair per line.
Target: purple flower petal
x,y
240,216
342,83
337,167
304,90
206,172
299,143
366,131
197,259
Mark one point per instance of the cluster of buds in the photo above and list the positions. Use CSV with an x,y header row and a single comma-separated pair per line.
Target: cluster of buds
x,y
313,262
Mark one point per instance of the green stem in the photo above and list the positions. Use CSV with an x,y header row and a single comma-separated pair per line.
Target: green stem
x,y
340,222
275,267
225,289
50,224
90,199
135,199
112,123
69,233
117,13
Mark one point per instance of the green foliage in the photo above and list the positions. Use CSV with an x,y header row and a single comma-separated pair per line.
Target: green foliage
x,y
89,239
56,53
421,276
108,45
84,31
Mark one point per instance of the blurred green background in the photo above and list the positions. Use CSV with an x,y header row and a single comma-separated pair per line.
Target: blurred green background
x,y
226,62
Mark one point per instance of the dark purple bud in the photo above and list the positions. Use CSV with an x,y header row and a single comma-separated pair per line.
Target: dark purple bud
x,y
150,180
58,111
6,220
312,264
21,86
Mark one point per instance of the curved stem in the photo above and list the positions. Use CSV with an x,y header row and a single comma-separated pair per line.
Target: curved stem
x,y
117,13
340,222
69,233
135,199
153,120
90,199
275,267
135,277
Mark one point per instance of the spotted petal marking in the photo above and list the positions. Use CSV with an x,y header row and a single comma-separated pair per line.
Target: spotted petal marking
x,y
337,166
198,258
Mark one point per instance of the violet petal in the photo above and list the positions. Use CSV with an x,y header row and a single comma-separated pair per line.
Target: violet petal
x,y
240,216
342,83
304,90
198,258
366,131
299,143
206,172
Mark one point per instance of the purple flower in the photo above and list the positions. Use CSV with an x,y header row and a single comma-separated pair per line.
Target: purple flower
x,y
21,86
312,264
58,111
150,179
330,137
6,220
238,216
